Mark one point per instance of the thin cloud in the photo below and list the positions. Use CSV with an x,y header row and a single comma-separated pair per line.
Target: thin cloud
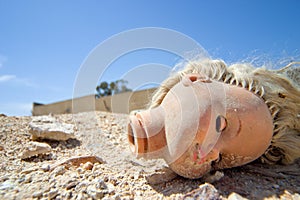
x,y
2,60
15,80
6,78
26,82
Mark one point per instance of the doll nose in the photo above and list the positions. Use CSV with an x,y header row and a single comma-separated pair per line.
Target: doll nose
x,y
146,132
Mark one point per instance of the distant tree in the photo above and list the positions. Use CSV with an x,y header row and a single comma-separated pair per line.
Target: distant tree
x,y
115,87
103,90
121,86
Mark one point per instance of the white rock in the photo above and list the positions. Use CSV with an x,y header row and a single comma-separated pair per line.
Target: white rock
x,y
35,148
47,127
235,196
37,194
211,178
94,193
60,170
7,185
100,184
45,167
205,191
52,193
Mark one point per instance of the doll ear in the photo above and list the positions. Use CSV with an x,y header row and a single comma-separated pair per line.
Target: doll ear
x,y
188,79
193,77
221,123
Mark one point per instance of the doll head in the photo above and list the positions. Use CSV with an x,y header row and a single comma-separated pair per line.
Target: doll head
x,y
209,117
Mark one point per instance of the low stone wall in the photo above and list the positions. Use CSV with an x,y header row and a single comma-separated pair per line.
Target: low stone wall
x,y
119,103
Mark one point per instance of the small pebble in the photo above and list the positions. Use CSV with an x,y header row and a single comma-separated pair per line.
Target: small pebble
x,y
211,178
28,178
60,170
71,185
7,185
94,193
88,166
37,194
52,194
45,167
79,170
100,184
276,186
235,196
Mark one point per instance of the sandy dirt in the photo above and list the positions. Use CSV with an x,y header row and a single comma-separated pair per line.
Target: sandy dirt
x,y
118,174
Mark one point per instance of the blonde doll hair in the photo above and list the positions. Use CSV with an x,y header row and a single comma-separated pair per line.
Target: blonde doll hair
x,y
278,88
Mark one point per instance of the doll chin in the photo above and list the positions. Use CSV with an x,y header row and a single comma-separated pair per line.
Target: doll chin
x,y
191,171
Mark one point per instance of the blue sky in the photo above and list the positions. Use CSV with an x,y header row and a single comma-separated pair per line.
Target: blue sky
x,y
44,43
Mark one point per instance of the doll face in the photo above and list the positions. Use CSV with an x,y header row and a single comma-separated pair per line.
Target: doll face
x,y
234,128
205,125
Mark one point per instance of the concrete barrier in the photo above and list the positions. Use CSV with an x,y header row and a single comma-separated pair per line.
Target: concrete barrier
x,y
119,103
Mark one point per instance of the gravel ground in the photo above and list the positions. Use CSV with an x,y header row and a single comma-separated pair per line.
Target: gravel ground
x,y
117,174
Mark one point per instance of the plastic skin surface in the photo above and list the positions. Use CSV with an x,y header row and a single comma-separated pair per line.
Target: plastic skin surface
x,y
203,125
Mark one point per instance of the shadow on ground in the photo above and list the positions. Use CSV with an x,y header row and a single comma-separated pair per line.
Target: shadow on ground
x,y
252,181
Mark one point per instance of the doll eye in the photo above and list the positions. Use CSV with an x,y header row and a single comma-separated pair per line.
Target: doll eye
x,y
221,123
